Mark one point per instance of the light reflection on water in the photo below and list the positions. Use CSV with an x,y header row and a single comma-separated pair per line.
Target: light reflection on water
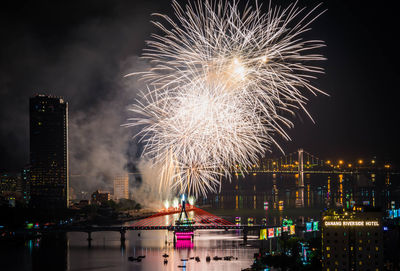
x,y
239,198
107,254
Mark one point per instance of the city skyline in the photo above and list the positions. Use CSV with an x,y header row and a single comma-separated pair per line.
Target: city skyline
x,y
78,63
133,134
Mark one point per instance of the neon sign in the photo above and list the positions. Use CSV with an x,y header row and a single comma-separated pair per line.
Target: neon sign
x,y
359,223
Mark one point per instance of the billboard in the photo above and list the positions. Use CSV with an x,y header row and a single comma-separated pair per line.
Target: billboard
x,y
292,230
309,226
315,226
263,234
278,231
271,233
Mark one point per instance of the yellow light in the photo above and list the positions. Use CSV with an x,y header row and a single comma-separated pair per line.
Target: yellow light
x,y
360,161
349,165
328,162
340,162
387,166
373,161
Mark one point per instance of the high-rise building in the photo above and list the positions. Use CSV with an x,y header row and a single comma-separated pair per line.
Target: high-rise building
x,y
49,180
352,240
121,187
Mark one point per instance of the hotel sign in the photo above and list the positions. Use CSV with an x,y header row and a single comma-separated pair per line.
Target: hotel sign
x,y
349,223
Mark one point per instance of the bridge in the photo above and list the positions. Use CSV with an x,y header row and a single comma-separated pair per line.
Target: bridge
x,y
302,161
164,220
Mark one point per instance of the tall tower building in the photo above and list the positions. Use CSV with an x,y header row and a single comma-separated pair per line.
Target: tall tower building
x,y
49,178
121,187
352,240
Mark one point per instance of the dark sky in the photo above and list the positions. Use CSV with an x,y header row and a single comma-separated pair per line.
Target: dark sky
x,y
81,50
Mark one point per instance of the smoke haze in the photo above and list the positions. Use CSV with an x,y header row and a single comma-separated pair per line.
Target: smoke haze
x,y
82,58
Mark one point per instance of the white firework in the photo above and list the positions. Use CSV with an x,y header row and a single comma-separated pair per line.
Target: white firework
x,y
222,85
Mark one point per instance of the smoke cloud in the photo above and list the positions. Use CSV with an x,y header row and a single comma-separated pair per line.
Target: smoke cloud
x,y
84,61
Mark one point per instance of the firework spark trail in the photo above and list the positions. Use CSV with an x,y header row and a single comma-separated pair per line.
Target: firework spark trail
x,y
222,86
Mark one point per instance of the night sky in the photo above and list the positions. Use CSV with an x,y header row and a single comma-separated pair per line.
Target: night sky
x,y
81,49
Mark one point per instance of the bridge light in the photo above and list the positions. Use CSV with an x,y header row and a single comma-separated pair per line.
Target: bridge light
x,y
349,165
166,204
328,162
360,161
340,162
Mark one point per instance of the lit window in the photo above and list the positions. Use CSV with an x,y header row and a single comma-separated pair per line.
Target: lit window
x,y
376,248
360,262
328,248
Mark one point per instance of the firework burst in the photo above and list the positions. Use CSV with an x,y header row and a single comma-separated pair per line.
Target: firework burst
x,y
222,84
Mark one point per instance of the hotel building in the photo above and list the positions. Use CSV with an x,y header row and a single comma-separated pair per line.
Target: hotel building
x,y
352,240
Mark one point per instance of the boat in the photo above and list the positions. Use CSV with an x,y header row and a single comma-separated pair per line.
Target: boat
x,y
138,259
197,259
208,258
191,258
165,255
165,261
216,258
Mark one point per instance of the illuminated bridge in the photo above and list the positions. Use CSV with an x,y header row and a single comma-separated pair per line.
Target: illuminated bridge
x,y
165,220
303,161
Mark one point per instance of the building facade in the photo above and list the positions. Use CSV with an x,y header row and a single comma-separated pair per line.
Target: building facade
x,y
121,187
352,240
49,178
99,197
10,188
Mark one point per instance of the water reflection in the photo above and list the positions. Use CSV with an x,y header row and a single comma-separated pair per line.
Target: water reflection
x,y
246,197
151,245
283,193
